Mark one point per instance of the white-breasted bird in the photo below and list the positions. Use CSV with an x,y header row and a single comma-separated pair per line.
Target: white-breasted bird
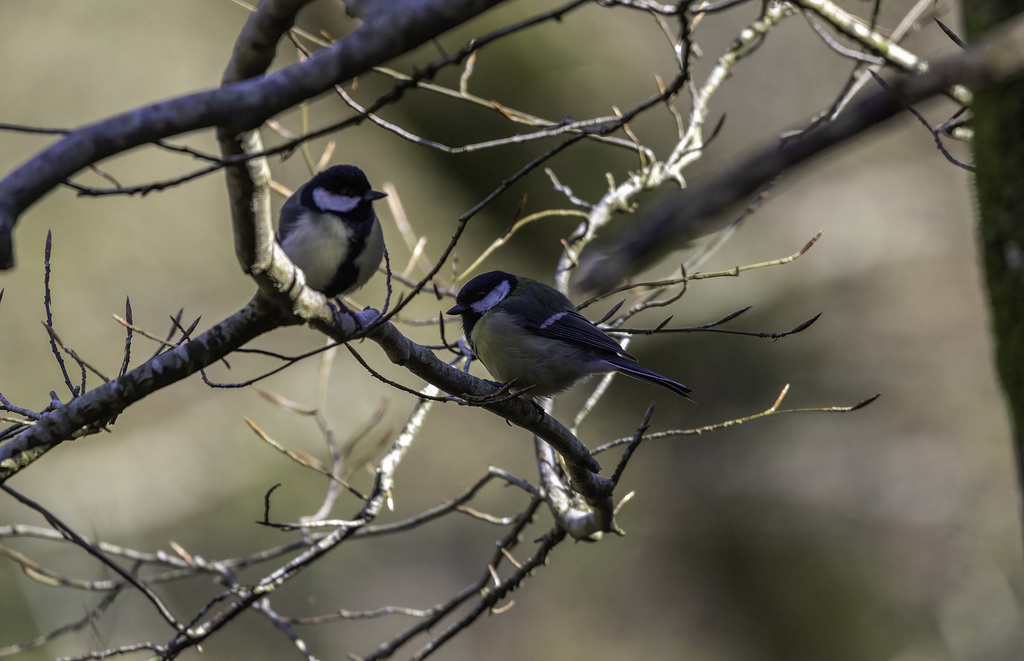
x,y
329,230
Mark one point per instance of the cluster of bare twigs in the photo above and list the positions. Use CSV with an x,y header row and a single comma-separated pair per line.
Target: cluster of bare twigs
x,y
582,502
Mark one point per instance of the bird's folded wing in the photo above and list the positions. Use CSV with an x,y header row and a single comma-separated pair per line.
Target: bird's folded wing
x,y
575,328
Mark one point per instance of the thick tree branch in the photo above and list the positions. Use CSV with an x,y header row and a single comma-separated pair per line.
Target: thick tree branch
x,y
99,405
249,182
697,211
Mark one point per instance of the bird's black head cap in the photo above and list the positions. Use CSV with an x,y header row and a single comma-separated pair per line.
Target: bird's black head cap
x,y
346,181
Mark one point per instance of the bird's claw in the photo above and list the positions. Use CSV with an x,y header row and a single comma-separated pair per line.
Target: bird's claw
x,y
502,394
340,311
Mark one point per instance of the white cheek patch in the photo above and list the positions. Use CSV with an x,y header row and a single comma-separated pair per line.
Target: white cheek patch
x,y
328,201
496,295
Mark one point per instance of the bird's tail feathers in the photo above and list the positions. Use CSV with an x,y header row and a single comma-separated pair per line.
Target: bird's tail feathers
x,y
631,369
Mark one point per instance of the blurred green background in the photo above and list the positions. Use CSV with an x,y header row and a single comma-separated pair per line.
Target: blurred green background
x,y
891,533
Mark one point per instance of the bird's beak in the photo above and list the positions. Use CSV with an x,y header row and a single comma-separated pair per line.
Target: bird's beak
x,y
372,195
457,309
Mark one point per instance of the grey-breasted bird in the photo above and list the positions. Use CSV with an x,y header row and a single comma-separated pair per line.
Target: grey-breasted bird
x,y
329,230
528,333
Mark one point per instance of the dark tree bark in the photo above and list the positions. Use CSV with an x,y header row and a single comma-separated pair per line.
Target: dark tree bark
x,y
999,158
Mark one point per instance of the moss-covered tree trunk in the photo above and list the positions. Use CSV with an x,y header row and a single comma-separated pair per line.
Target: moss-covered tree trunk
x,y
999,183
